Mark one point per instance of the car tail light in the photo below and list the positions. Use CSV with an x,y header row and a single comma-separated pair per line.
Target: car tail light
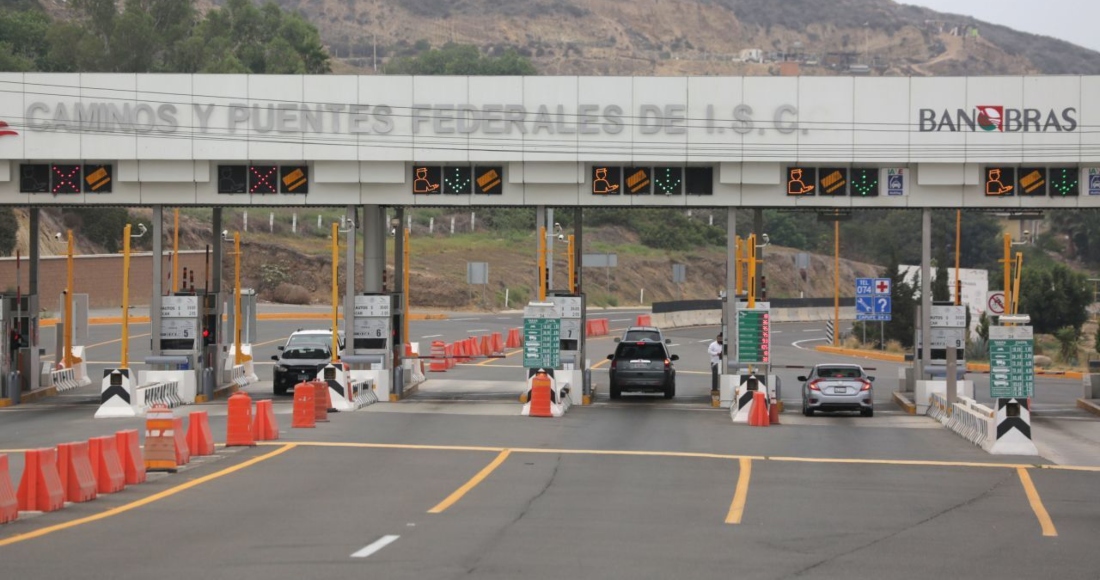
x,y
813,385
866,385
613,363
667,363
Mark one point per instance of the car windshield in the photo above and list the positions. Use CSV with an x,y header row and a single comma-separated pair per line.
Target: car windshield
x,y
306,340
307,352
642,335
839,373
647,351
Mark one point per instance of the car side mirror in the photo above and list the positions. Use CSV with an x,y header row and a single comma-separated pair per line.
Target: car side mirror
x,y
280,348
617,339
668,341
674,357
610,357
802,379
275,357
872,379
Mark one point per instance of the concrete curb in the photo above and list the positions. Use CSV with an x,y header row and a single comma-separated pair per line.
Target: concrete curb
x,y
904,403
884,356
405,393
99,320
1089,405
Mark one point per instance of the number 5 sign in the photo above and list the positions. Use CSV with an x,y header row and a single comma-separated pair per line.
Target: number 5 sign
x,y
995,303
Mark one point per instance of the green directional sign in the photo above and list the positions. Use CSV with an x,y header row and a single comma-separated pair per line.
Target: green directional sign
x,y
541,342
1011,362
754,334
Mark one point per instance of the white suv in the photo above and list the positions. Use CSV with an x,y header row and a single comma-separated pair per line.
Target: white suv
x,y
305,353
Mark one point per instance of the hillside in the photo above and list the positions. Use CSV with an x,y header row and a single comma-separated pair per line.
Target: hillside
x,y
691,37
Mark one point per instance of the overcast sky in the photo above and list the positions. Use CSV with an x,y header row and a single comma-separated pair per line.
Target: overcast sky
x,y
1070,20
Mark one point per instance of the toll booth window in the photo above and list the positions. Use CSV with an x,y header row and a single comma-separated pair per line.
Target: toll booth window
x,y
294,178
668,180
457,181
1065,182
34,178
489,180
426,179
262,179
699,181
606,180
1033,181
232,179
65,179
97,178
1000,181
801,180
833,181
638,180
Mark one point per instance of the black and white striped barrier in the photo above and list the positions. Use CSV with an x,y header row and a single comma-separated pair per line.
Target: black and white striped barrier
x,y
1012,431
116,395
348,392
741,408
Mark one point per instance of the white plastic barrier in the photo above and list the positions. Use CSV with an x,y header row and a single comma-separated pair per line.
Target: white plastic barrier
x,y
972,421
163,393
347,391
64,379
360,393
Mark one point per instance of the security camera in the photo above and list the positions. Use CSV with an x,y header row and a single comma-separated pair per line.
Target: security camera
x,y
765,238
561,237
225,234
57,236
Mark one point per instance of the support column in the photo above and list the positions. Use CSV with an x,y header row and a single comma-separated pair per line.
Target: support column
x,y
925,288
216,353
216,269
550,248
729,314
540,219
349,276
374,247
578,244
399,264
758,230
32,282
158,275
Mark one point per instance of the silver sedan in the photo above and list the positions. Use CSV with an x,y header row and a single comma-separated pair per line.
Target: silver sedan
x,y
837,387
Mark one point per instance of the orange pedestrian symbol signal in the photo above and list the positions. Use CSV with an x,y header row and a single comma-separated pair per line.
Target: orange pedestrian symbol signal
x,y
801,181
426,179
605,181
1000,180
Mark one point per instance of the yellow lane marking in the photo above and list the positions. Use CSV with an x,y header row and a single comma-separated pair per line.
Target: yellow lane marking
x,y
460,492
600,364
686,454
741,494
270,342
116,340
145,501
14,450
1037,504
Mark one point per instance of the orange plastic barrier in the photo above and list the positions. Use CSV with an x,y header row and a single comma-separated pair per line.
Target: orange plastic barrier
x,y
773,413
264,427
643,320
303,407
604,329
451,350
439,357
239,426
179,441
322,401
75,469
40,489
199,440
498,343
9,503
160,440
486,348
409,350
106,465
513,338
129,451
589,328
540,396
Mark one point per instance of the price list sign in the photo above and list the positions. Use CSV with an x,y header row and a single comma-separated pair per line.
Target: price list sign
x,y
541,338
754,335
1011,362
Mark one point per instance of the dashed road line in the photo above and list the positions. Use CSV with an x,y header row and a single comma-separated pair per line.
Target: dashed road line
x,y
375,546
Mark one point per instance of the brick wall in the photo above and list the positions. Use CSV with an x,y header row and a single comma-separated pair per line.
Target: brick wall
x,y
100,277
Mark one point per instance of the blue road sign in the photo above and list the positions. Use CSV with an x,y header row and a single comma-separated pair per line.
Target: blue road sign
x,y
895,184
1094,182
874,317
865,286
882,304
865,304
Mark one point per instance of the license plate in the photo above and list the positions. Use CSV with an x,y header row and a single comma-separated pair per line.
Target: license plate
x,y
303,377
840,390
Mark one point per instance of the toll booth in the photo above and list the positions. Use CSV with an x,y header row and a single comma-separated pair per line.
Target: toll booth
x,y
570,309
248,317
20,360
190,325
376,348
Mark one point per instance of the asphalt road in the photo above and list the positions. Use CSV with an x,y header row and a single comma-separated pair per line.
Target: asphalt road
x,y
452,483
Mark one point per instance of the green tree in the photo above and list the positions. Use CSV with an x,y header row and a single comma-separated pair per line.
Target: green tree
x,y
1055,297
8,227
941,290
1067,344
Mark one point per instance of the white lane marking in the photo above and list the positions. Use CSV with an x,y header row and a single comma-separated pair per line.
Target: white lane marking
x,y
811,330
478,330
504,318
777,332
431,336
798,342
620,320
374,547
463,319
675,344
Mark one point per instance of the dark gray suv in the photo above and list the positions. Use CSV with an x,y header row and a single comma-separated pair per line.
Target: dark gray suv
x,y
643,365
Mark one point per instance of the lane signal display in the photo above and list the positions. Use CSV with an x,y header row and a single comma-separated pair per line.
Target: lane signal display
x,y
426,179
1000,181
1033,181
699,181
65,178
865,182
34,178
262,178
606,180
1065,182
801,180
232,179
97,179
456,180
489,180
638,180
833,181
668,180
294,178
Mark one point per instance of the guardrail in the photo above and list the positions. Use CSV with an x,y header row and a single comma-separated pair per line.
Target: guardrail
x,y
164,393
966,417
64,379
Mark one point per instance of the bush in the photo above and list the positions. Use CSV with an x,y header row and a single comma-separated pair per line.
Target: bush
x,y
287,293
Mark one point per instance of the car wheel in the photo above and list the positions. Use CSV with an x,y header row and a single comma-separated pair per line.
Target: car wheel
x,y
615,391
670,390
806,410
867,412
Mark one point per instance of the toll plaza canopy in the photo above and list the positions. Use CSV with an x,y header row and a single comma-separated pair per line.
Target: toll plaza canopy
x,y
816,142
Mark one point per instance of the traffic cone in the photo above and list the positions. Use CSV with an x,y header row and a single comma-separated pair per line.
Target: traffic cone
x,y
498,344
239,425
303,407
773,413
160,440
264,427
540,396
486,346
513,338
75,470
199,440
